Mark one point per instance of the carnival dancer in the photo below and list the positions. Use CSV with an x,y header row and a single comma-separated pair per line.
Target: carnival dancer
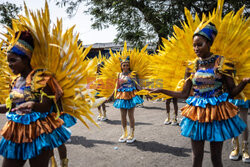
x,y
32,129
49,84
243,111
126,99
208,116
69,121
168,119
120,78
101,108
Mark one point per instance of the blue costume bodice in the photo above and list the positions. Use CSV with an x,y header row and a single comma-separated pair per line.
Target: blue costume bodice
x,y
126,83
207,86
207,82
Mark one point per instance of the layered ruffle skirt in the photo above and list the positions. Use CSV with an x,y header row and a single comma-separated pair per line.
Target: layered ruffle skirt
x,y
25,136
68,120
240,103
127,99
212,119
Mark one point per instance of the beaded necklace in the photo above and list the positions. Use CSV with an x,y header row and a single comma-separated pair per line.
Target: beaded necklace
x,y
209,60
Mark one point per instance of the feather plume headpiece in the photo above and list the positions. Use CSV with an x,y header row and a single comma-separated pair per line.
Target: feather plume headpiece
x,y
125,60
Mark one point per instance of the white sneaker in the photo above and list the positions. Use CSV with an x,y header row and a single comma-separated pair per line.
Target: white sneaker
x,y
140,106
132,140
99,118
235,154
234,157
174,122
104,118
245,154
167,121
122,139
69,140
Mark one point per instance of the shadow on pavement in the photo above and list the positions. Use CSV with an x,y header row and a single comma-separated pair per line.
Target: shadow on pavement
x,y
113,122
118,122
156,108
80,140
153,146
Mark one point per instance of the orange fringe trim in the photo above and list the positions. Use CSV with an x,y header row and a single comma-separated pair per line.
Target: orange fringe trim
x,y
20,133
126,95
223,111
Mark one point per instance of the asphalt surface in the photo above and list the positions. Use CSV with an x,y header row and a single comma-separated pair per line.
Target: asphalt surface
x,y
157,145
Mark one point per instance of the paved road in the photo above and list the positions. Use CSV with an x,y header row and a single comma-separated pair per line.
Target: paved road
x,y
157,145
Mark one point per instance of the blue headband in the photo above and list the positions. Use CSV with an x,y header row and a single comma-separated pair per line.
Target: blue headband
x,y
125,61
22,48
209,32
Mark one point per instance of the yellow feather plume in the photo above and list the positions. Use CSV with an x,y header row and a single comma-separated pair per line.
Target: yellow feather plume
x,y
5,74
232,42
139,65
58,54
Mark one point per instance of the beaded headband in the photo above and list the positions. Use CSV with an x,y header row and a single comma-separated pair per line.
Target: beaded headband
x,y
24,44
22,48
124,61
209,32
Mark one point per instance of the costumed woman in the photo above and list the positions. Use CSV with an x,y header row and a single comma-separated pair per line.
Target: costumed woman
x,y
120,77
32,129
126,99
202,120
69,121
208,116
40,91
101,108
168,119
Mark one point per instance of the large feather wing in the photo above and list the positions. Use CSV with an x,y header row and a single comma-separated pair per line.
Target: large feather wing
x,y
232,42
139,64
57,52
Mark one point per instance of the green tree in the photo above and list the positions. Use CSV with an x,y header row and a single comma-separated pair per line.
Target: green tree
x,y
145,21
7,12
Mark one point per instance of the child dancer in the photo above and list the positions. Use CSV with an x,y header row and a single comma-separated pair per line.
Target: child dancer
x,y
174,120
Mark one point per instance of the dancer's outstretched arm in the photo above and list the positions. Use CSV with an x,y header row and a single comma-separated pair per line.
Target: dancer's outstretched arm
x,y
3,108
177,94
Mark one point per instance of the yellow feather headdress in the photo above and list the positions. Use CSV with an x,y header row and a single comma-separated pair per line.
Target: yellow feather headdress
x,y
232,42
139,64
57,52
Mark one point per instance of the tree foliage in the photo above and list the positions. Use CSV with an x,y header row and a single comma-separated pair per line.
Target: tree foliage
x,y
7,12
145,21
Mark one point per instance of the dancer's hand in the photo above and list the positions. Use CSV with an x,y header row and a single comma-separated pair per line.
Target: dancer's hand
x,y
148,97
25,107
246,80
109,99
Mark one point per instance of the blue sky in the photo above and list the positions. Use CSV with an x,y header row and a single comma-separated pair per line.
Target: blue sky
x,y
82,21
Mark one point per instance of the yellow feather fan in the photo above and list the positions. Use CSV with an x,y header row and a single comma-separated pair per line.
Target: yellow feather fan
x,y
5,74
139,65
59,55
232,42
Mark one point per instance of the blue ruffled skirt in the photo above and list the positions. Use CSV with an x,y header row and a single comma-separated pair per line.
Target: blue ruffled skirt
x,y
212,131
25,136
24,151
68,120
216,130
128,104
240,103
